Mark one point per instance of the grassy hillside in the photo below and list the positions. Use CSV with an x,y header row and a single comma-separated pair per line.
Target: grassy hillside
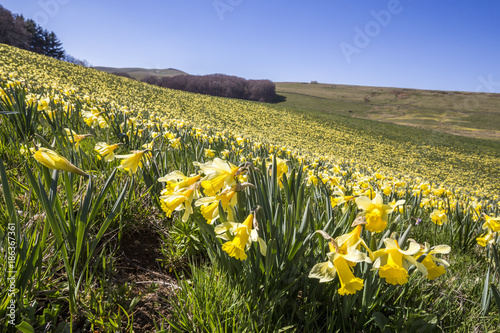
x,y
141,73
373,146
468,114
129,207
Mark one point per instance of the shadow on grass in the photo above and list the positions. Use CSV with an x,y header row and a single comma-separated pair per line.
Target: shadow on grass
x,y
278,99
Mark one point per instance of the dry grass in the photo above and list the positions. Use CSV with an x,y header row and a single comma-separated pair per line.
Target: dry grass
x,y
467,114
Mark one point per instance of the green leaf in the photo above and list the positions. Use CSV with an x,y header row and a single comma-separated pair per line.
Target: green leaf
x,y
402,239
382,321
486,296
495,257
6,192
305,219
96,207
24,327
496,295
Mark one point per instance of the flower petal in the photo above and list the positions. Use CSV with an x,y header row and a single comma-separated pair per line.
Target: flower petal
x,y
363,203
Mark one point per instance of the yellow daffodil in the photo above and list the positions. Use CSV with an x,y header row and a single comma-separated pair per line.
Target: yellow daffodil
x,y
52,160
492,223
43,104
131,162
148,146
176,181
349,284
75,138
429,261
209,153
375,212
439,217
488,238
240,140
94,117
352,240
492,226
393,263
281,169
175,143
106,151
342,256
338,198
239,237
387,190
179,200
210,205
219,174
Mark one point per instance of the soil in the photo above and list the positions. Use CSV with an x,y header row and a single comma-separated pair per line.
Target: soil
x,y
139,266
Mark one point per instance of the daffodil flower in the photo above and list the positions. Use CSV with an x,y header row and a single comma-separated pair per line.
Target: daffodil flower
x,y
342,257
149,146
227,198
176,180
492,226
240,140
219,174
352,240
75,138
43,104
131,162
180,200
93,118
338,198
106,151
239,237
210,205
488,238
52,160
429,261
393,263
492,223
376,212
281,168
209,153
341,197
439,217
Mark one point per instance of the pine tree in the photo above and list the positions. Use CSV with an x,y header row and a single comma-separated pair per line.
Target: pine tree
x,y
43,41
53,46
37,41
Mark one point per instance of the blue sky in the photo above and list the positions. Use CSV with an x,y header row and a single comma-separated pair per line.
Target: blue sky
x,y
445,45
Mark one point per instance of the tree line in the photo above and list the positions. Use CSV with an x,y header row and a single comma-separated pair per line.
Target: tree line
x,y
219,85
26,34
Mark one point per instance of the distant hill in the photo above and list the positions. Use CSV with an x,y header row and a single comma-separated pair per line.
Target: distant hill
x,y
141,73
455,112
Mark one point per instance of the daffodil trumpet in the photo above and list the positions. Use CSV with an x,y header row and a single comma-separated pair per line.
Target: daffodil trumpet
x,y
343,256
239,237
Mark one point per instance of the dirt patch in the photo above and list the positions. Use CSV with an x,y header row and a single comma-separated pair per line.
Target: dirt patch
x,y
139,266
